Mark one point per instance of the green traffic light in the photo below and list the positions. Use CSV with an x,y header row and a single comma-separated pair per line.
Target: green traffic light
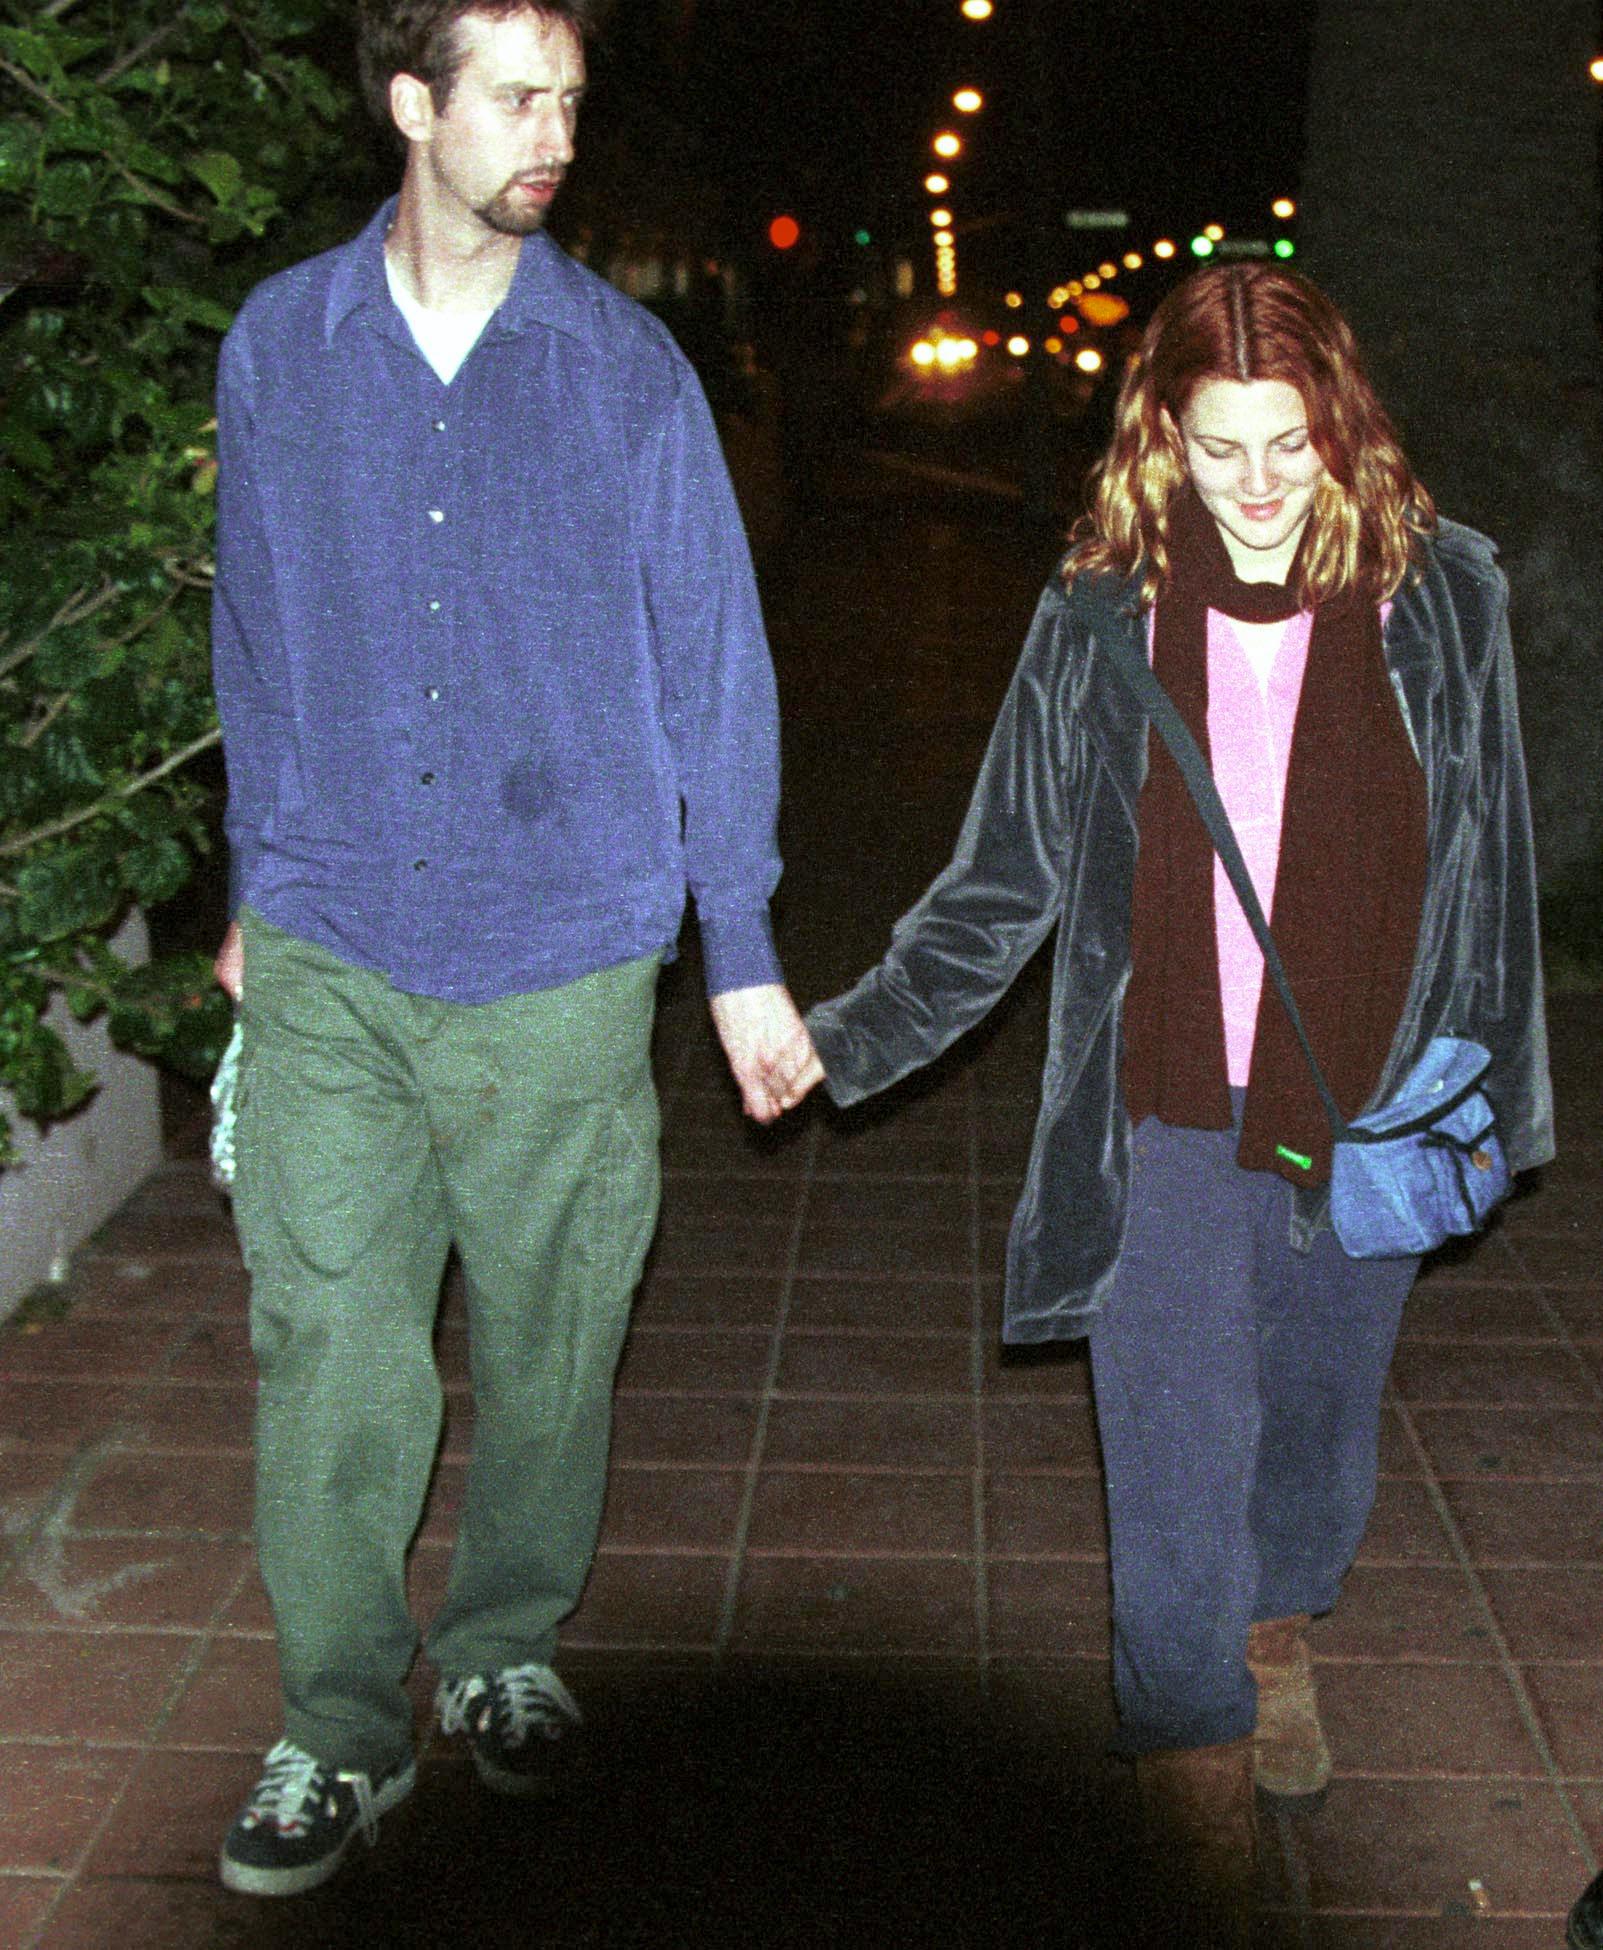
x,y
1202,246
1284,247
861,237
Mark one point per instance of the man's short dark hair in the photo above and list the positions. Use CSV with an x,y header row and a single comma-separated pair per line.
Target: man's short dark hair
x,y
420,37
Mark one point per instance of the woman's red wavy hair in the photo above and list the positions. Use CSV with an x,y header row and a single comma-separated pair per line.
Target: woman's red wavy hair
x,y
1247,322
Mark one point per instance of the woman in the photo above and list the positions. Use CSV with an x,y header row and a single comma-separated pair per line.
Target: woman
x,y
1343,658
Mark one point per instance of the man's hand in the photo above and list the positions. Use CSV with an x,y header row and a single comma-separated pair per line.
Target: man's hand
x,y
769,1049
229,967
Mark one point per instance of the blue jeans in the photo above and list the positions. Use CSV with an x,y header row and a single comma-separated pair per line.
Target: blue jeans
x,y
1238,1387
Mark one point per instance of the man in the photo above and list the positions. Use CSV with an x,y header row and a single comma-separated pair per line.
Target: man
x,y
494,691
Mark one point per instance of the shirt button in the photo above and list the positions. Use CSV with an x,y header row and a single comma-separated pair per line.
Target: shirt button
x,y
439,426
432,693
425,778
436,515
434,605
419,865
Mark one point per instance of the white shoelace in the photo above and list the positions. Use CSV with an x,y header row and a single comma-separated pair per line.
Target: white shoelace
x,y
455,1700
534,1699
294,1785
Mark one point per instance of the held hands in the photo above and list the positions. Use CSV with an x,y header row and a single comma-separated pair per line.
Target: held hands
x,y
769,1050
764,1037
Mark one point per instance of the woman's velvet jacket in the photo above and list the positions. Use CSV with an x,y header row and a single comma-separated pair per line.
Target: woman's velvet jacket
x,y
1050,840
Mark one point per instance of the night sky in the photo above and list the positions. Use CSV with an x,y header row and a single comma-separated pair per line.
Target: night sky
x,y
1177,114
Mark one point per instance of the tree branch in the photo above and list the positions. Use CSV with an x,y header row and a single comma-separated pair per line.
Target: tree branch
x,y
135,55
130,176
69,821
47,718
73,975
155,615
78,608
25,81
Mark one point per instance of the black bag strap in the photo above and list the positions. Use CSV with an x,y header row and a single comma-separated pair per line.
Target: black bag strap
x,y
1128,658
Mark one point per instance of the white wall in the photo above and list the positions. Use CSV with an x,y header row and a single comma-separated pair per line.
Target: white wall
x,y
76,1175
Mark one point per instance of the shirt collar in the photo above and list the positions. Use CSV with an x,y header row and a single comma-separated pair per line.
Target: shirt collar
x,y
547,287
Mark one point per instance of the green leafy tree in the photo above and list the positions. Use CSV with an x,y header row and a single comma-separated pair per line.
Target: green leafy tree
x,y
156,158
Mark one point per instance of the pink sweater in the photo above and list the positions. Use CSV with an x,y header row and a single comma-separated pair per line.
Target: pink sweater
x,y
1254,682
1255,675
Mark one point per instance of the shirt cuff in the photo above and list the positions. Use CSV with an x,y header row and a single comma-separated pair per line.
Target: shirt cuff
x,y
243,863
738,950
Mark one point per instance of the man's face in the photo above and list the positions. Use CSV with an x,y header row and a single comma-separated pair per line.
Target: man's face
x,y
501,145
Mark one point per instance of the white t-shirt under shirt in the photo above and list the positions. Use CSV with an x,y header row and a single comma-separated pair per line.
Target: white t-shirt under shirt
x,y
445,338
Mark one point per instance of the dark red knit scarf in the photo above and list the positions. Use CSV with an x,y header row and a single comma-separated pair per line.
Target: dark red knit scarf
x,y
1348,892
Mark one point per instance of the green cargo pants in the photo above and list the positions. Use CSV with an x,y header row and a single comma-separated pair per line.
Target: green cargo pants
x,y
376,1130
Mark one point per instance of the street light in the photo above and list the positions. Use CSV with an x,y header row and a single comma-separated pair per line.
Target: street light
x,y
1284,208
977,9
1164,247
968,101
947,144
937,185
940,218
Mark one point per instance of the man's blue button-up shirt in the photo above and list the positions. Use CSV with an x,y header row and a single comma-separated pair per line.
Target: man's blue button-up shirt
x,y
489,658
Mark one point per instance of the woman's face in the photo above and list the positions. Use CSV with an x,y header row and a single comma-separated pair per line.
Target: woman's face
x,y
1253,465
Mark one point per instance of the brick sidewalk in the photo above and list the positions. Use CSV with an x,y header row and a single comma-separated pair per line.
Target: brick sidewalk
x,y
840,1530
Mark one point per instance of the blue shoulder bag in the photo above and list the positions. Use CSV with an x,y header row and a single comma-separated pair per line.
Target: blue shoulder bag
x,y
1427,1163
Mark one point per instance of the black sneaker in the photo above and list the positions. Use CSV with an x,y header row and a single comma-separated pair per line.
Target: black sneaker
x,y
521,1721
1585,1930
294,1830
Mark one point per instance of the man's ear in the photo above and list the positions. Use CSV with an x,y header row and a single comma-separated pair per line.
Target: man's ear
x,y
412,107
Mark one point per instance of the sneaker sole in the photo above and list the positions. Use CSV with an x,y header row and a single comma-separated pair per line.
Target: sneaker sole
x,y
252,1879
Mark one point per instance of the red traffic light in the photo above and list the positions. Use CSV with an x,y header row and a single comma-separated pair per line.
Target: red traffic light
x,y
783,233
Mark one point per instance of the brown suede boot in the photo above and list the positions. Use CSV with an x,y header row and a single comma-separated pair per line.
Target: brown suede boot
x,y
1201,1828
1289,1752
